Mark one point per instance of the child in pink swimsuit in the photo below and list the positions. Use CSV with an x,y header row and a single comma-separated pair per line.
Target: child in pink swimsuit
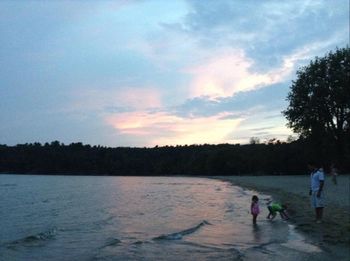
x,y
254,208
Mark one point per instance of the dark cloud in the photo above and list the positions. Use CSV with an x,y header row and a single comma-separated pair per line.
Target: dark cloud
x,y
272,97
263,128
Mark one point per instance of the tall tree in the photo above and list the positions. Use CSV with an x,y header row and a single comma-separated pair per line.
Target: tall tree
x,y
319,103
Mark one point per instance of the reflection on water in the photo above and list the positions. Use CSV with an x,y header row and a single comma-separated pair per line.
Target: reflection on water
x,y
257,233
137,218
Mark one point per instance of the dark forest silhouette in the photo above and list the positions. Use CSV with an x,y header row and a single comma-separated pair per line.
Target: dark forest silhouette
x,y
271,158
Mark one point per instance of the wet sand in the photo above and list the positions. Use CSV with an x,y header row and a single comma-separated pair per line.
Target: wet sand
x,y
333,235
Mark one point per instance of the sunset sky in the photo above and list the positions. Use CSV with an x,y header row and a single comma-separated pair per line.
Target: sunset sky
x,y
163,72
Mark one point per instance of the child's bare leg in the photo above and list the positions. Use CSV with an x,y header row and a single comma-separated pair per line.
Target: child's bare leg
x,y
254,219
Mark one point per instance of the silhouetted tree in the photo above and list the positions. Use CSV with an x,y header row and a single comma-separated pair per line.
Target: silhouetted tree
x,y
254,140
319,104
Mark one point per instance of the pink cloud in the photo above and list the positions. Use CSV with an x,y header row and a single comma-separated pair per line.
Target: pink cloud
x,y
227,72
165,129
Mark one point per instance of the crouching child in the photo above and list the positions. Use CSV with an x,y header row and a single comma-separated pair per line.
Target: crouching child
x,y
274,208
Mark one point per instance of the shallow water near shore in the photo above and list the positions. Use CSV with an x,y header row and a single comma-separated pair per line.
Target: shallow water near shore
x,y
140,218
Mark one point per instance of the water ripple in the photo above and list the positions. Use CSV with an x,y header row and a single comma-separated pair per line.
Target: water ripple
x,y
179,235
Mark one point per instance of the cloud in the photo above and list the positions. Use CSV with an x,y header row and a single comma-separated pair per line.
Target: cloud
x,y
165,76
270,127
263,128
219,126
228,72
165,129
223,74
271,97
268,30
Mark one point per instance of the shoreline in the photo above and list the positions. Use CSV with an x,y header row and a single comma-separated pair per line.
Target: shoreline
x,y
334,232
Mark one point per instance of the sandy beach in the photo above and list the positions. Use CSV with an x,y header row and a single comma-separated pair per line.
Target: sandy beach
x,y
334,233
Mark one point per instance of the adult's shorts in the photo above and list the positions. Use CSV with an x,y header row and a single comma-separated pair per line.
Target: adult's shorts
x,y
317,202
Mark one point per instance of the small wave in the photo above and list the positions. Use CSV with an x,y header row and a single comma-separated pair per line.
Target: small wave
x,y
8,185
32,240
262,247
179,235
112,242
140,242
104,222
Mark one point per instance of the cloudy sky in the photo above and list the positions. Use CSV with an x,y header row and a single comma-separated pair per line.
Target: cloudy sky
x,y
162,72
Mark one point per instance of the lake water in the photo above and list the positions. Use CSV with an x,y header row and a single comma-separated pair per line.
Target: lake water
x,y
139,218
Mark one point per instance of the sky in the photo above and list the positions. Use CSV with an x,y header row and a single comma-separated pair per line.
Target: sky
x,y
158,72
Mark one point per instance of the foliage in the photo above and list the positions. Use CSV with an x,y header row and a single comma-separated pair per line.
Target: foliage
x,y
319,104
254,140
223,159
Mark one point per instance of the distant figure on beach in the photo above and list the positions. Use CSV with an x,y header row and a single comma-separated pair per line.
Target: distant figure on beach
x,y
316,190
274,208
334,173
254,208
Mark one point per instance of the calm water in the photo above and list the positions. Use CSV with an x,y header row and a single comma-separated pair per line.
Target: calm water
x,y
138,218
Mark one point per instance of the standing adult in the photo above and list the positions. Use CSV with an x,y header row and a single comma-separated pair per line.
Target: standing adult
x,y
316,190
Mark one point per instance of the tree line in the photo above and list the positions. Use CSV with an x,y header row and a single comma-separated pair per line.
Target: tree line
x,y
271,158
